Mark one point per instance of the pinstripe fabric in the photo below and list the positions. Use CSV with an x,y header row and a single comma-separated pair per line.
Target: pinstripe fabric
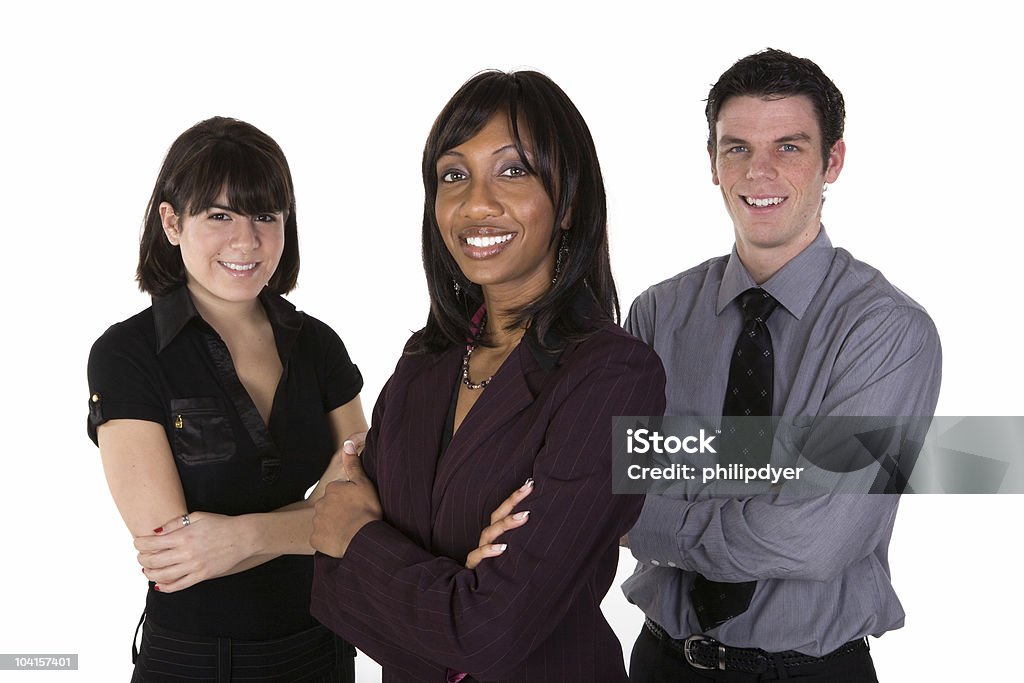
x,y
401,594
312,656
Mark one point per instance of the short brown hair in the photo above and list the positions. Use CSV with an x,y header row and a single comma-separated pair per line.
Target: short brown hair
x,y
212,156
773,74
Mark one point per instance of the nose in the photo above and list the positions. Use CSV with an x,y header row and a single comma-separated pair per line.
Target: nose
x,y
244,236
481,200
762,166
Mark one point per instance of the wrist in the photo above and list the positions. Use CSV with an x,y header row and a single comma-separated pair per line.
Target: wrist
x,y
252,533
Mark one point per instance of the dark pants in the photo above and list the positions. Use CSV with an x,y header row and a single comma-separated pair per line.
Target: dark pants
x,y
313,656
655,662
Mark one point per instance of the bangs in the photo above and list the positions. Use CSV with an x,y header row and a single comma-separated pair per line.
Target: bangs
x,y
482,98
254,180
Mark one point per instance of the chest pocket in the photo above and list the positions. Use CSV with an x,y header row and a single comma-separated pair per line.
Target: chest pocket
x,y
201,431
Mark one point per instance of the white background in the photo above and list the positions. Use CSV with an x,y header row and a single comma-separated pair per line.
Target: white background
x,y
92,94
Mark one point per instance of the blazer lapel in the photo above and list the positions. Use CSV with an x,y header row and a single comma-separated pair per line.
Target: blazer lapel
x,y
424,403
506,396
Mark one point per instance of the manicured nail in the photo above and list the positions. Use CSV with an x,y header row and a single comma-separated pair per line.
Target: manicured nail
x,y
158,530
499,547
521,515
156,587
349,447
528,485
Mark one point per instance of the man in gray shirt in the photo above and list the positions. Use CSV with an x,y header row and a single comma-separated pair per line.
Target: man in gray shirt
x,y
773,587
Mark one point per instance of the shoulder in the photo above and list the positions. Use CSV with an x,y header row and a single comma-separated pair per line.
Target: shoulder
x,y
874,300
610,348
672,299
691,281
134,337
318,330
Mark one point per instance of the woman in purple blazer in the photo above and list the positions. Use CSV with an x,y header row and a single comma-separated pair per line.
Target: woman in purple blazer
x,y
516,377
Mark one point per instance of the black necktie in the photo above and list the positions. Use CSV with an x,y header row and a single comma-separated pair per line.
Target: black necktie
x,y
747,394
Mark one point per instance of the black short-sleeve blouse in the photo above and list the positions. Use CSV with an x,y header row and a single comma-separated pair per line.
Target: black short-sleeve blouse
x,y
167,365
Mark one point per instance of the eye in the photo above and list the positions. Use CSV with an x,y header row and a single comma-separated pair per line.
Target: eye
x,y
736,149
265,217
218,217
789,148
452,176
515,172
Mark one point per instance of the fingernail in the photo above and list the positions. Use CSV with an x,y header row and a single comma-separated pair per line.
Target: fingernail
x,y
521,515
156,587
527,485
499,547
349,447
158,530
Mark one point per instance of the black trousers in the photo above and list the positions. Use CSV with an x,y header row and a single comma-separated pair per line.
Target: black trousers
x,y
313,656
654,662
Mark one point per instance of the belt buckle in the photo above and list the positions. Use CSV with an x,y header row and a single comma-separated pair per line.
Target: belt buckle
x,y
688,646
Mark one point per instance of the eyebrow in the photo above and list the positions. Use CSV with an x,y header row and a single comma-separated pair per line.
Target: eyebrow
x,y
222,208
795,137
505,148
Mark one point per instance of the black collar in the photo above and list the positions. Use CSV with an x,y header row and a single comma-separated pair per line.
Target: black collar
x,y
171,313
548,355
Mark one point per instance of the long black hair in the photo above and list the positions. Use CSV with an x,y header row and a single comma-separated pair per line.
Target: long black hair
x,y
564,158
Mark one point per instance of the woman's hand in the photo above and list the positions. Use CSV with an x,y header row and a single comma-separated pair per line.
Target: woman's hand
x,y
180,555
502,520
336,468
348,504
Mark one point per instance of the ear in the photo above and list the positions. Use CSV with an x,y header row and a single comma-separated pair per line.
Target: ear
x,y
169,220
714,169
835,161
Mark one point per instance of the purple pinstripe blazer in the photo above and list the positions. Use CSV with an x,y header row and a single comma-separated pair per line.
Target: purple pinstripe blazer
x,y
401,593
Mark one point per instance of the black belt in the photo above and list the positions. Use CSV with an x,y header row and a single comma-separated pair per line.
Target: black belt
x,y
702,652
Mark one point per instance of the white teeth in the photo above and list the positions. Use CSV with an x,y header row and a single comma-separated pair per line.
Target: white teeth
x,y
767,201
237,266
488,241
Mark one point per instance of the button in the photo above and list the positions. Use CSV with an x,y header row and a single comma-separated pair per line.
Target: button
x,y
672,564
95,398
656,563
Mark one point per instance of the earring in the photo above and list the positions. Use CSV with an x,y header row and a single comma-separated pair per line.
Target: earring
x,y
563,253
456,287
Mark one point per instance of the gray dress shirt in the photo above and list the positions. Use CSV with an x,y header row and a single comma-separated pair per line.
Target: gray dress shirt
x,y
846,343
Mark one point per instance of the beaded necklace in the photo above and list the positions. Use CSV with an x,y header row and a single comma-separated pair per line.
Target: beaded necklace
x,y
469,353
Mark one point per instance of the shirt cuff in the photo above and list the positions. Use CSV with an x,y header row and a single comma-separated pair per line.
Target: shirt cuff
x,y
656,539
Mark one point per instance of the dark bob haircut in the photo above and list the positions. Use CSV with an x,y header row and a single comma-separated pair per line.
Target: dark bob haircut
x,y
566,162
774,74
212,156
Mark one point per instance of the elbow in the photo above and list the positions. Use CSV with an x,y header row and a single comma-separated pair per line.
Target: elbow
x,y
820,567
488,655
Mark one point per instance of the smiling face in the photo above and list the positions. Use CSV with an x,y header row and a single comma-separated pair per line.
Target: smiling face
x,y
768,164
495,216
228,256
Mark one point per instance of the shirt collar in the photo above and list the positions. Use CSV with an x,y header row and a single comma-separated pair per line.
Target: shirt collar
x,y
793,285
171,313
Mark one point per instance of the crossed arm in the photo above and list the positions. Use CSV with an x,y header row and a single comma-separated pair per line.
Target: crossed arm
x,y
779,537
144,482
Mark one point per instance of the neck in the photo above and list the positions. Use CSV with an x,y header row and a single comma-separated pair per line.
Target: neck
x,y
763,262
499,317
221,314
